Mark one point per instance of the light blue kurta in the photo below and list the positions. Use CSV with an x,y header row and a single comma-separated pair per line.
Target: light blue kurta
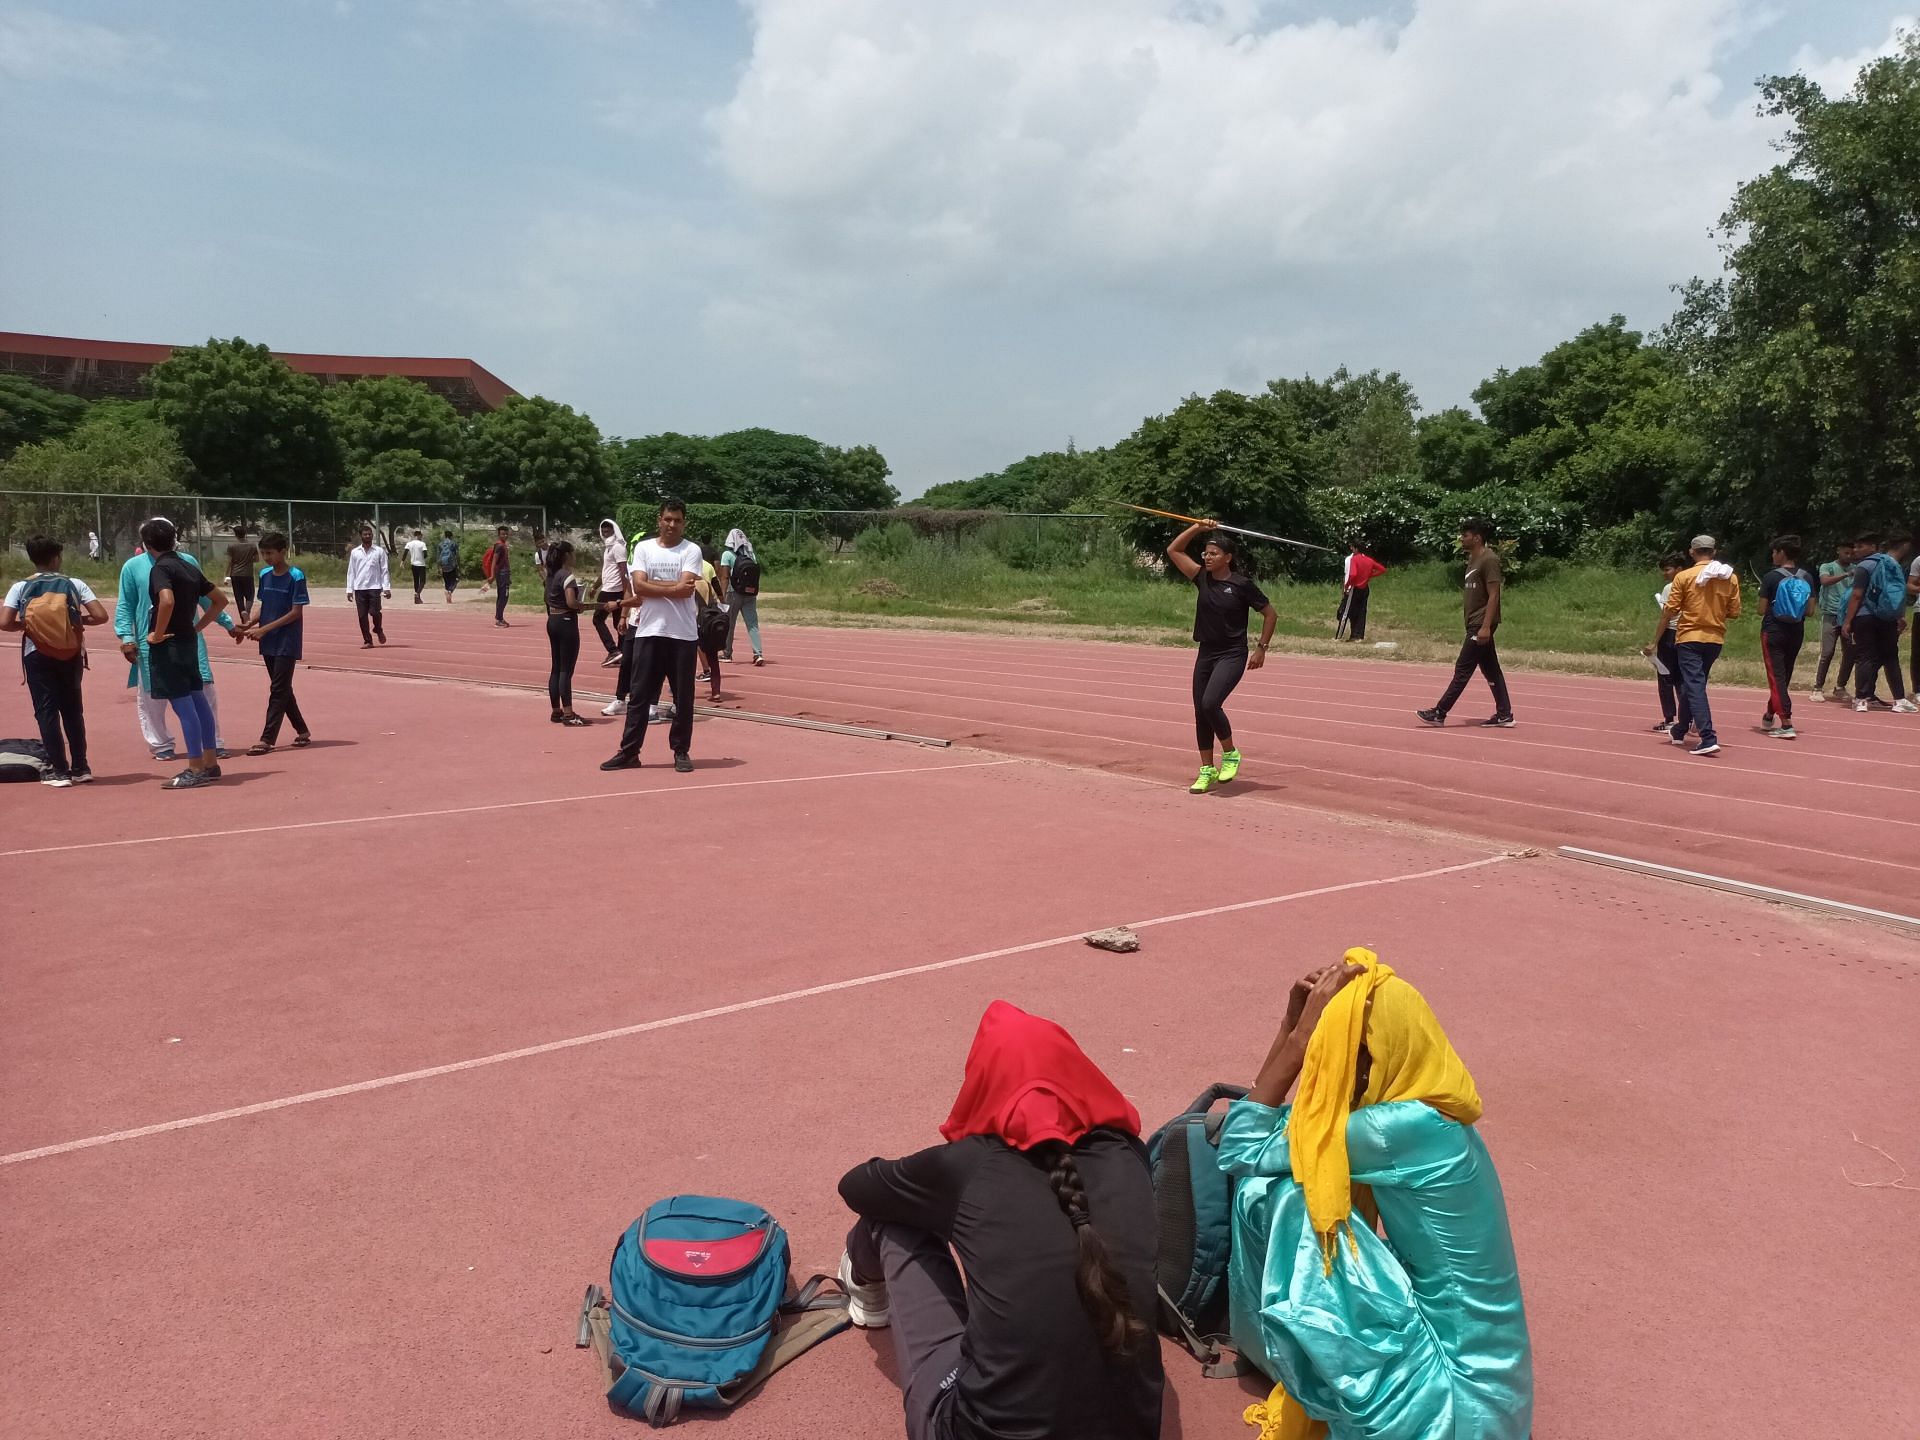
x,y
1422,1334
133,618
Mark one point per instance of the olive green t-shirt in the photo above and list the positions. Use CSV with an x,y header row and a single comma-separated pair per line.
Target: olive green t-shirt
x,y
1483,573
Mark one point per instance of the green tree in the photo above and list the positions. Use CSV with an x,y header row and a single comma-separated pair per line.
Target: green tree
x,y
118,449
1456,449
779,471
405,476
388,412
1233,457
30,413
249,425
1354,429
534,451
1804,356
649,468
859,479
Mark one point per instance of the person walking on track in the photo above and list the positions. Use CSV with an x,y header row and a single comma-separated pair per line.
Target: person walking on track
x,y
1703,598
368,582
1836,585
1786,599
280,634
740,591
243,563
1223,599
1358,572
417,562
613,590
1014,1263
663,573
449,558
1481,595
500,573
563,631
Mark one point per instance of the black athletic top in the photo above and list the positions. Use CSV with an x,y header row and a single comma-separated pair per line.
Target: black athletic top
x,y
1221,607
1030,1363
557,595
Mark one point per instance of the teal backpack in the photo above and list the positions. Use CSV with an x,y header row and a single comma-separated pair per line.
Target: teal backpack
x,y
1193,1203
693,1319
1886,596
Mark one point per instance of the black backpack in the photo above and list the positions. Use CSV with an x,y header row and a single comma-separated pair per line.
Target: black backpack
x,y
746,574
713,626
1193,1202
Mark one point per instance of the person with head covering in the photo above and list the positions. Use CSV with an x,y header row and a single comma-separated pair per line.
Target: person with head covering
x,y
132,618
1408,1331
1043,1193
740,589
613,590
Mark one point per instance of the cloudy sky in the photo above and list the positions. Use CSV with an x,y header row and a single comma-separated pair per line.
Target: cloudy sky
x,y
963,230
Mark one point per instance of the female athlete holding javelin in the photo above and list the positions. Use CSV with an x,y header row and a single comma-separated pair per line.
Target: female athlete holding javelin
x,y
1220,627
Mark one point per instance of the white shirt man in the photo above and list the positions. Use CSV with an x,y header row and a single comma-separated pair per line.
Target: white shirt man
x,y
367,583
663,573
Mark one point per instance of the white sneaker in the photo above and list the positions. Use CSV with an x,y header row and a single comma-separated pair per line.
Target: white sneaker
x,y
618,707
1904,707
1817,696
866,1304
1860,707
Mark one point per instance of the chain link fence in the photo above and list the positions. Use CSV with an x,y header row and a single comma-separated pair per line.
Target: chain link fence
x,y
316,527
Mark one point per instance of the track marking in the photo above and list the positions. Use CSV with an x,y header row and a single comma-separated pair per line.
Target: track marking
x,y
1749,888
785,997
507,805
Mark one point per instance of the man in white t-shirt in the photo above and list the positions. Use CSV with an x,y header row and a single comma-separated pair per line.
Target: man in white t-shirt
x,y
416,549
613,589
661,575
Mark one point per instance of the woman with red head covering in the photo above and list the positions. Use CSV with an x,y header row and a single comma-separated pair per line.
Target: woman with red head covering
x,y
1042,1192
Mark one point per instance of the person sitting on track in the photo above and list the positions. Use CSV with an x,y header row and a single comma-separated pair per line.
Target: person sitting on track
x,y
1224,600
1413,1330
1043,1192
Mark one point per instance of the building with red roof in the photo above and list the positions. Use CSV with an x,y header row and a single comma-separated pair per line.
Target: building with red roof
x,y
116,369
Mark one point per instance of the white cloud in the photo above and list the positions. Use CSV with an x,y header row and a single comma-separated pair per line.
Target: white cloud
x,y
35,45
1836,75
1190,147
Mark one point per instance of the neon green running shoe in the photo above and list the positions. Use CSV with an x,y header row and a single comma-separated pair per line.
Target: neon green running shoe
x,y
1209,776
1229,766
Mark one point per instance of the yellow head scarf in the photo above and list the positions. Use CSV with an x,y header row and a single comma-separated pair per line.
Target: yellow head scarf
x,y
1412,1060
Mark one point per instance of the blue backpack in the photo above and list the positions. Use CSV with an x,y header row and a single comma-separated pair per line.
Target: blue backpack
x,y
1193,1202
1791,596
1886,596
699,1287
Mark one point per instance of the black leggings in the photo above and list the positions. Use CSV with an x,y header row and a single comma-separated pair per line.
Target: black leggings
x,y
1215,673
563,635
242,591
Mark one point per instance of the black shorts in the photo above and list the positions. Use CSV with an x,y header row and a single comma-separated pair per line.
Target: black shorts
x,y
242,590
173,668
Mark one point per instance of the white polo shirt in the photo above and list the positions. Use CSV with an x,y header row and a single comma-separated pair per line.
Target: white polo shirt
x,y
664,565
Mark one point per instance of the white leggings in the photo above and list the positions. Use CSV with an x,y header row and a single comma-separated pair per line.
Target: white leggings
x,y
153,720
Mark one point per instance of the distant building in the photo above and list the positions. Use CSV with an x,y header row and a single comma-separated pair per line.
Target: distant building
x,y
115,369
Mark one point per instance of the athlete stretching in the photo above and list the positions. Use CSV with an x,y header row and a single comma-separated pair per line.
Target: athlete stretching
x,y
1226,597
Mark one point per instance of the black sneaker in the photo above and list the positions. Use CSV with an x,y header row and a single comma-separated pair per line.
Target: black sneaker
x,y
1706,748
185,780
212,772
82,776
621,762
1432,717
683,762
1497,722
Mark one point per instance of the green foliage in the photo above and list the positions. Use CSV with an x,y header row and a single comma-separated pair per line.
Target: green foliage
x,y
535,452
859,479
1353,429
1526,524
373,416
1640,542
1457,449
1390,517
886,542
31,413
248,424
783,556
750,467
647,470
1049,483
118,449
404,477
1805,357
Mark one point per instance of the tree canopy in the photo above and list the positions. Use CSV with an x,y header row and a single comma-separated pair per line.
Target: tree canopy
x,y
249,425
535,451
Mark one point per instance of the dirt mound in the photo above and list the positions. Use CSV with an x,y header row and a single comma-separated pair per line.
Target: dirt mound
x,y
881,588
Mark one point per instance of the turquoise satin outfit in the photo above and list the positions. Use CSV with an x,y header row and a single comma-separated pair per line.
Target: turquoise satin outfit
x,y
1421,1335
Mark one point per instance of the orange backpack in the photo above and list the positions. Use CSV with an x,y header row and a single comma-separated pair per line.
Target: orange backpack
x,y
50,614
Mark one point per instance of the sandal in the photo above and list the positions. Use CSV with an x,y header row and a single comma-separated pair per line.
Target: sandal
x,y
260,748
575,722
300,742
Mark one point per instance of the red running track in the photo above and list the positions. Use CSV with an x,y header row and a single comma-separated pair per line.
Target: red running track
x,y
330,1086
1824,814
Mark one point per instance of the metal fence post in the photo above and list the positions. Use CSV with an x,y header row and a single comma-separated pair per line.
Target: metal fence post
x,y
290,543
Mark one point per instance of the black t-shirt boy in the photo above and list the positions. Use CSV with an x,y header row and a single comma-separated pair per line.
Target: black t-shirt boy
x,y
1221,608
171,572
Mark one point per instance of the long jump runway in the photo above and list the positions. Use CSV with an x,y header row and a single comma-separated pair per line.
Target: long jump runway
x,y
330,1087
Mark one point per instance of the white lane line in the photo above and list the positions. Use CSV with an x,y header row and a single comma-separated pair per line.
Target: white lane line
x,y
506,805
785,997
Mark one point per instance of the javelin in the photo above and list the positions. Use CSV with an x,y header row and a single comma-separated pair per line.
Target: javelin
x,y
1218,525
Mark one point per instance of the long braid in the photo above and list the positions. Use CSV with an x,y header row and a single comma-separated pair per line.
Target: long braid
x,y
1103,1289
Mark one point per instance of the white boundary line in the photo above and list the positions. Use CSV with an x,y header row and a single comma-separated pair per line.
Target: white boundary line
x,y
1742,887
508,805
669,1022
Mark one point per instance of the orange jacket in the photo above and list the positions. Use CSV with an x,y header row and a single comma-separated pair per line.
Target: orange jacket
x,y
1705,597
